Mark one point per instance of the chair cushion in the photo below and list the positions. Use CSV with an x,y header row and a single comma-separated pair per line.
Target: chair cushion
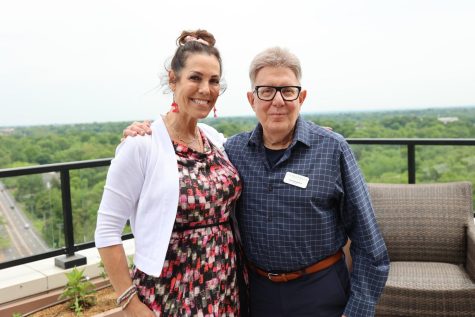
x,y
433,276
427,289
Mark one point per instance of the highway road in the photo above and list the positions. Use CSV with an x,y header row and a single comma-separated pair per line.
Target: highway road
x,y
24,240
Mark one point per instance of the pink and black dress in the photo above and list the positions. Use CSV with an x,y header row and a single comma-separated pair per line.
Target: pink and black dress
x,y
199,273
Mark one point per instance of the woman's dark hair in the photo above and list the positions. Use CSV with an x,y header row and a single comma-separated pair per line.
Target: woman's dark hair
x,y
194,42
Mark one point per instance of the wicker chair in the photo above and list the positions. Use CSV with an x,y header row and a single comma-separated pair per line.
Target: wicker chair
x,y
430,235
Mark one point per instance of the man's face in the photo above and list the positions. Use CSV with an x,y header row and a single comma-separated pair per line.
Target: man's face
x,y
277,116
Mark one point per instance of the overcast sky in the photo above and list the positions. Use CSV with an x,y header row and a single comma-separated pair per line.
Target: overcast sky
x,y
83,61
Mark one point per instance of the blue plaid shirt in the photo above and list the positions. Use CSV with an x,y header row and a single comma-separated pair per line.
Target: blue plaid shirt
x,y
284,227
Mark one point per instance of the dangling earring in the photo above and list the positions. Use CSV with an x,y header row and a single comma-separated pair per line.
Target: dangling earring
x,y
214,110
175,107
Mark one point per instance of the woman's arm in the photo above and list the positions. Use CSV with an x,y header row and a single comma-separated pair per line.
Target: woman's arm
x,y
143,128
119,202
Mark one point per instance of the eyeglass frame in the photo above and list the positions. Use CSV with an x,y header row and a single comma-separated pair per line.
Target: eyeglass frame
x,y
278,89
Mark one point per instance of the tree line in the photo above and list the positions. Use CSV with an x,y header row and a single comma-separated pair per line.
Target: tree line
x,y
40,195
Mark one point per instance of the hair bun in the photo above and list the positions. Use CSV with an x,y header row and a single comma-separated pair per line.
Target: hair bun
x,y
201,36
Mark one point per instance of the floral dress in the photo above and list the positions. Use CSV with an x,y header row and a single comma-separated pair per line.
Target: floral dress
x,y
199,273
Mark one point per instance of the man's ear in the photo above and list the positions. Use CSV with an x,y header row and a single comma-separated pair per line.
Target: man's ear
x,y
171,80
302,96
250,98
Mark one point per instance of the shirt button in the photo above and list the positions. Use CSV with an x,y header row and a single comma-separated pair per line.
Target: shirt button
x,y
269,219
270,188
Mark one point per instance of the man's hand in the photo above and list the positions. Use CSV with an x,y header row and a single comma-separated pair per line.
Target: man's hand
x,y
137,128
142,128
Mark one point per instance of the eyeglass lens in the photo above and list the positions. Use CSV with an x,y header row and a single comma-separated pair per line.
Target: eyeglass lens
x,y
267,93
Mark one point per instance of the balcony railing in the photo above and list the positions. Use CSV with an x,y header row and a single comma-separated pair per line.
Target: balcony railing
x,y
65,168
411,148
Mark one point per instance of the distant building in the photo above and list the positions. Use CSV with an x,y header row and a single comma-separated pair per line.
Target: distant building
x,y
6,131
446,120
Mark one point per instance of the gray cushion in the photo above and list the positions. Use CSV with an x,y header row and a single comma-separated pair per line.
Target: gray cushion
x,y
426,289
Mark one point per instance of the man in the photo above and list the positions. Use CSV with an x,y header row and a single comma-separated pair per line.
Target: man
x,y
303,197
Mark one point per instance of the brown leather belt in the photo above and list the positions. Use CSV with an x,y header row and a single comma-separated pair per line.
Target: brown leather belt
x,y
314,268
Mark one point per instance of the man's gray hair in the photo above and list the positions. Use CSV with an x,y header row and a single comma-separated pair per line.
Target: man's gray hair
x,y
275,57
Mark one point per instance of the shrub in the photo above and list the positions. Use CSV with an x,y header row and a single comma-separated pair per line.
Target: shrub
x,y
79,291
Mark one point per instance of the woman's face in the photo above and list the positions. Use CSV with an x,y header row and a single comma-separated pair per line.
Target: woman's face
x,y
197,87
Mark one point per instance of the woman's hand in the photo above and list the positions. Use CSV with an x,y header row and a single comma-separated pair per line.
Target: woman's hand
x,y
115,263
137,309
137,128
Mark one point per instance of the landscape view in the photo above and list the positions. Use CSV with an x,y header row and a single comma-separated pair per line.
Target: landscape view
x,y
31,207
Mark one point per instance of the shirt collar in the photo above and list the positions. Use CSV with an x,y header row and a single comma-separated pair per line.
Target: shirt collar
x,y
301,134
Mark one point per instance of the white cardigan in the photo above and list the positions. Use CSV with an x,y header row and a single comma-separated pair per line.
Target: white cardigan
x,y
142,185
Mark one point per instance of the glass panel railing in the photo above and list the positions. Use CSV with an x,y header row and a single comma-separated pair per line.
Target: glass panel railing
x,y
50,210
28,224
382,163
87,185
442,164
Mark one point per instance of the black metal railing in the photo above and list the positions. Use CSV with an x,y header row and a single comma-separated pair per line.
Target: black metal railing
x,y
64,169
411,148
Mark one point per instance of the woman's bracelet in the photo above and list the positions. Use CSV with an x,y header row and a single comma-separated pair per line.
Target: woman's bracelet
x,y
127,295
124,305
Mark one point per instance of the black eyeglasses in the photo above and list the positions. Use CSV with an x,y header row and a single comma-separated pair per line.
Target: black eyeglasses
x,y
267,93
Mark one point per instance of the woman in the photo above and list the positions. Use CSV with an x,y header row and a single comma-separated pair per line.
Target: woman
x,y
177,188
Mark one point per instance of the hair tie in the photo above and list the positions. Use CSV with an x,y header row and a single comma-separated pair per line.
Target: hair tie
x,y
190,38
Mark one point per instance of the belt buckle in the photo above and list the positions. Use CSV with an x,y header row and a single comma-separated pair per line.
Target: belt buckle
x,y
271,275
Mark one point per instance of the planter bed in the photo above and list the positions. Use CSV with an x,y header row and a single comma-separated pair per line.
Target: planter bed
x,y
48,305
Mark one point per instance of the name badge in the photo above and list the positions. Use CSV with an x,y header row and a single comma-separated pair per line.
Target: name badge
x,y
296,180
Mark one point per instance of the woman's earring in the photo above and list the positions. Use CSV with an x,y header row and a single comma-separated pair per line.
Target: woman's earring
x,y
174,107
214,110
